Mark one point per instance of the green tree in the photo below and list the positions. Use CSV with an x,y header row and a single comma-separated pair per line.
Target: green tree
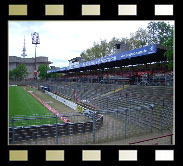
x,y
156,32
42,70
18,73
102,49
11,75
159,32
169,53
162,33
22,70
97,51
139,38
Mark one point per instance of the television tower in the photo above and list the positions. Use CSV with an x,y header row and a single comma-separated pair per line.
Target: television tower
x,y
24,54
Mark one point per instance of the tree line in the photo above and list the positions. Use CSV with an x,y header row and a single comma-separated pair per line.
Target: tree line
x,y
20,73
155,32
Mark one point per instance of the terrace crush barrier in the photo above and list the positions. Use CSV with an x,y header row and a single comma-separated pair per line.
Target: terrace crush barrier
x,y
152,139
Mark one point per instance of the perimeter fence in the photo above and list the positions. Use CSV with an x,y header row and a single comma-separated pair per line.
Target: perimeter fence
x,y
94,128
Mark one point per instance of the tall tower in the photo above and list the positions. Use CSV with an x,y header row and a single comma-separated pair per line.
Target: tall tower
x,y
24,54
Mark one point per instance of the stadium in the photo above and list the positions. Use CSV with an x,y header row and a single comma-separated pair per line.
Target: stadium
x,y
123,99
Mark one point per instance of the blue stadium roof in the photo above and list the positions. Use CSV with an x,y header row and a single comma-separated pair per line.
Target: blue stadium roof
x,y
111,59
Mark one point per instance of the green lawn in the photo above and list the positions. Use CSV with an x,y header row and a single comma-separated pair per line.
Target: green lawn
x,y
22,104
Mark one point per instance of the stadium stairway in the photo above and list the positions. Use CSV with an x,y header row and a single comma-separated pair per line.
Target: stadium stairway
x,y
113,96
137,96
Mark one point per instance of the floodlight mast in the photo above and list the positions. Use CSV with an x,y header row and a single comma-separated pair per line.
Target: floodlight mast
x,y
35,40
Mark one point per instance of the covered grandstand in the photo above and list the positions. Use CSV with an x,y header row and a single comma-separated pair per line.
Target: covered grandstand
x,y
144,55
146,65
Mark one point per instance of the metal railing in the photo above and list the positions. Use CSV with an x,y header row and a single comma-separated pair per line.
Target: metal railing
x,y
41,128
102,126
169,141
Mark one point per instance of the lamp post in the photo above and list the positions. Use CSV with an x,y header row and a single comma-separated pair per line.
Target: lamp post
x,y
35,40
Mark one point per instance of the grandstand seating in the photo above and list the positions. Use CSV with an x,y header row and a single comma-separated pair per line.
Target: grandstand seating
x,y
135,97
113,97
85,91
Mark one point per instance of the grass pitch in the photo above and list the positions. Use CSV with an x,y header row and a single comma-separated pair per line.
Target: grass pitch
x,y
22,104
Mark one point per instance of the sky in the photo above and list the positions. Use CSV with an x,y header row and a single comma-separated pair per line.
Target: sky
x,y
61,41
